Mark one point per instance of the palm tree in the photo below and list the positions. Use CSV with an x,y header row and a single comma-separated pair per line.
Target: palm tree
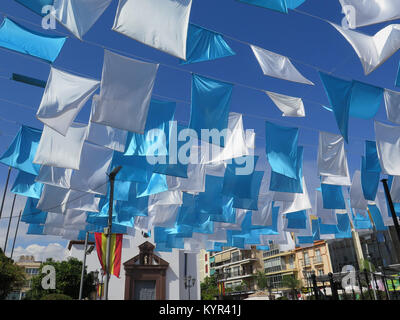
x,y
289,281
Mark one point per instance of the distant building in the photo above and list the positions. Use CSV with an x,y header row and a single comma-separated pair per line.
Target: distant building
x,y
278,264
313,259
236,269
203,265
31,269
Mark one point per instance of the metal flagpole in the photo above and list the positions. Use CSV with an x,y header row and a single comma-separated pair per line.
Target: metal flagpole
x,y
391,206
83,266
9,223
5,191
107,231
16,232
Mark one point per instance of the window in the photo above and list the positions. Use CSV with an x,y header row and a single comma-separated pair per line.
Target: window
x,y
235,256
31,271
206,257
235,272
291,262
206,268
306,258
318,258
320,272
273,265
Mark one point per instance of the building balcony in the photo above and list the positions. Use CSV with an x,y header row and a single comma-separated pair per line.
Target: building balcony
x,y
318,260
306,263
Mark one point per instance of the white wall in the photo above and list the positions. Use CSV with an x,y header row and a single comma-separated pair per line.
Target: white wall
x,y
174,277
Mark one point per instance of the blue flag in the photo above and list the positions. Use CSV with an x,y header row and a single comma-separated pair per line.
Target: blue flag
x,y
369,181
205,45
25,185
36,5
371,157
17,38
277,5
210,105
22,150
332,197
281,148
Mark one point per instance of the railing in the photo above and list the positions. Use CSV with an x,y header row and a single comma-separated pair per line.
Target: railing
x,y
318,260
305,263
365,286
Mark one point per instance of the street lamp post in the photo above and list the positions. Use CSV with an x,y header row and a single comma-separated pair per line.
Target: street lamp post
x,y
189,282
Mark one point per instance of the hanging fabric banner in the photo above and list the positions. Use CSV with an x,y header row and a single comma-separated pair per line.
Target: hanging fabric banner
x,y
338,92
332,197
61,151
237,143
301,201
277,5
374,50
357,200
106,136
369,181
327,216
78,16
21,152
150,144
64,96
282,183
31,214
278,66
290,106
392,104
351,98
130,82
281,148
25,185
371,157
388,147
157,23
332,160
210,105
115,252
36,6
17,38
205,45
360,13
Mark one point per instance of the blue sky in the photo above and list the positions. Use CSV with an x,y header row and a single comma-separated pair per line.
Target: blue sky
x,y
303,38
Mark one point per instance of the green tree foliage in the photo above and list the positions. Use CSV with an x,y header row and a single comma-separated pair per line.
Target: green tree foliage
x,y
11,275
289,281
209,288
68,277
261,280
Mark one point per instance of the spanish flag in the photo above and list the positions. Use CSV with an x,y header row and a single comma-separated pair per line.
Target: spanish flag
x,y
115,251
221,288
100,290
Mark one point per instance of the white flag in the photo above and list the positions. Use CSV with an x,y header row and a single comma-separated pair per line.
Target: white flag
x,y
78,16
125,93
161,24
290,106
278,66
373,50
64,96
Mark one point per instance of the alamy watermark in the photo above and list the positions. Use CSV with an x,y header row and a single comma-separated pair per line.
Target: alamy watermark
x,y
49,280
207,149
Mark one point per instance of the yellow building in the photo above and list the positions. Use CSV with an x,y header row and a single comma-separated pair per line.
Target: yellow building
x,y
236,269
315,258
278,264
31,269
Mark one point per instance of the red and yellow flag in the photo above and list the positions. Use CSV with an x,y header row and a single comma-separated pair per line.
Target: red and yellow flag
x,y
115,251
100,290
